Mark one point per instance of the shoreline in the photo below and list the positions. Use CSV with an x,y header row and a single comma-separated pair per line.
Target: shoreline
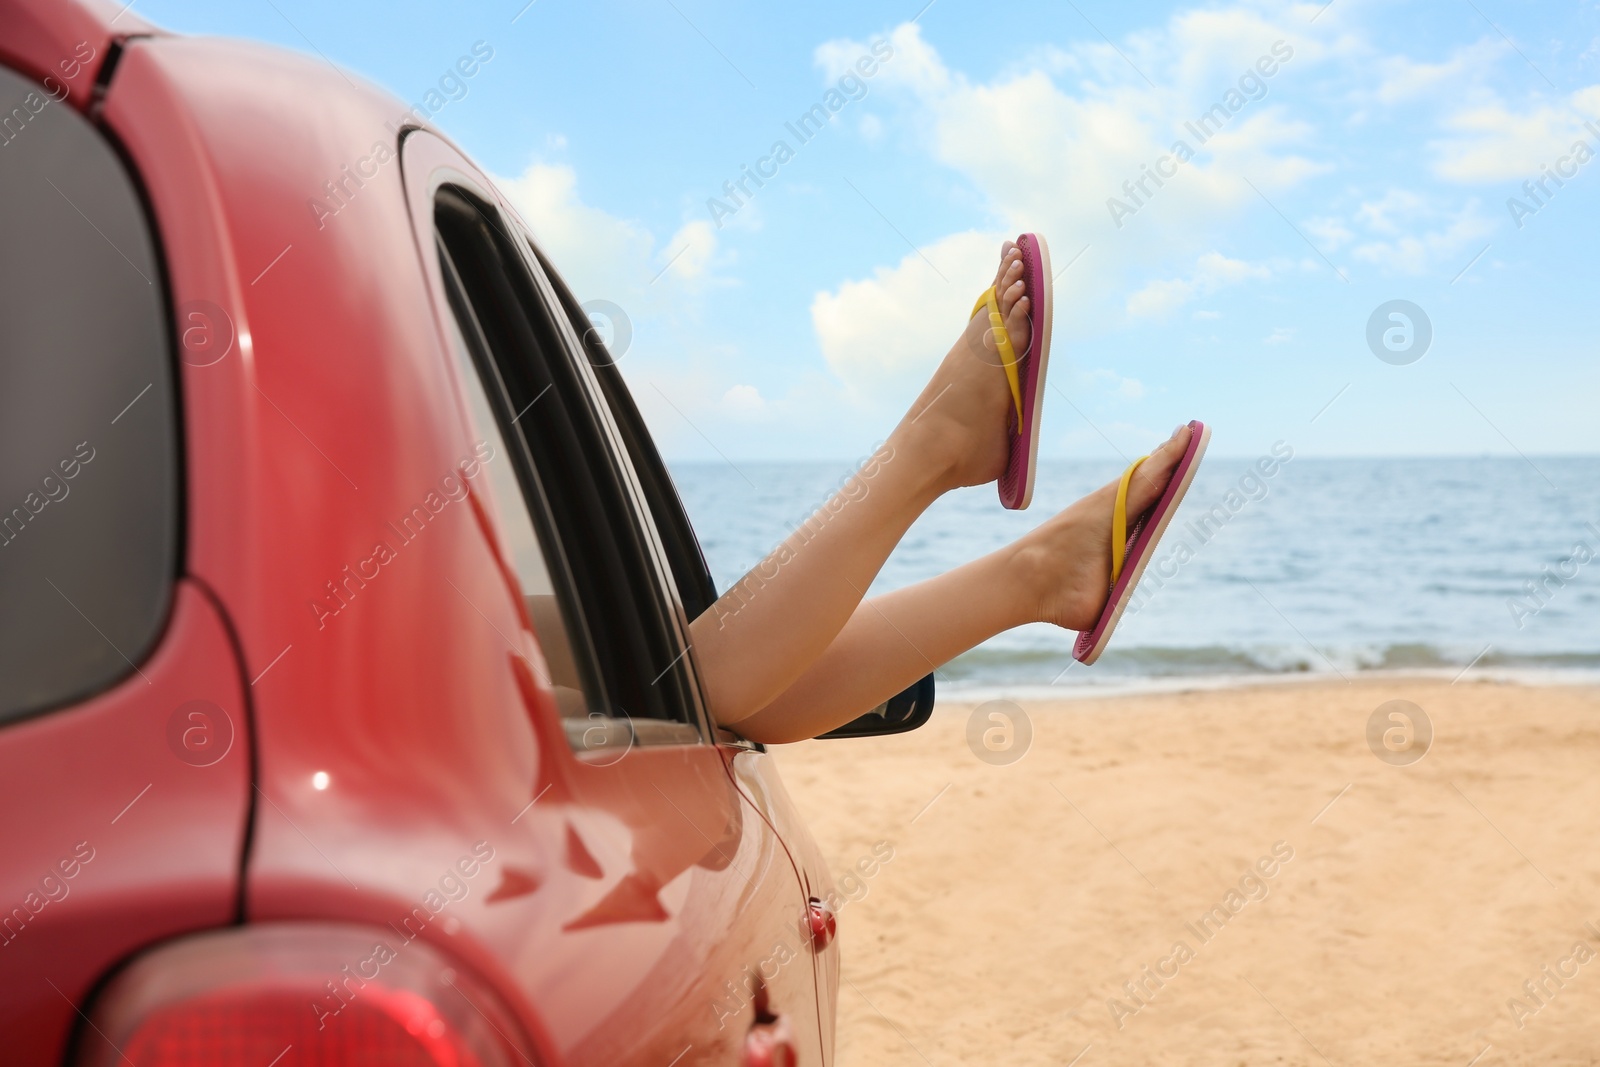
x,y
964,694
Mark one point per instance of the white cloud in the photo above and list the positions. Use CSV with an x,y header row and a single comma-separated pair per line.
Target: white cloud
x,y
1126,388
1411,234
1495,143
912,61
1213,271
676,373
1406,79
1076,124
1329,234
744,403
689,251
897,325
603,255
1381,216
1067,153
1279,335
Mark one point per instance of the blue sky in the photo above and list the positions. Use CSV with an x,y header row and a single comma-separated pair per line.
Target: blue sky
x,y
1375,163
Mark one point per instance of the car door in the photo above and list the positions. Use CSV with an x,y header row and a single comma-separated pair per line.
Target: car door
x,y
670,918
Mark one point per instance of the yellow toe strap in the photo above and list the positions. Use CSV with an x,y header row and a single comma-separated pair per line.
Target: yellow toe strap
x,y
1008,355
1119,521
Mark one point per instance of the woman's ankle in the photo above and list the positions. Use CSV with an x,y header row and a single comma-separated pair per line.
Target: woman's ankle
x,y
1028,576
924,445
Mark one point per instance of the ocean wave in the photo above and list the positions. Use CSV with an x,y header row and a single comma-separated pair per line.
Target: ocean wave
x,y
988,667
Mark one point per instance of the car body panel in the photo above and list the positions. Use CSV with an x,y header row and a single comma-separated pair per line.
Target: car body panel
x,y
63,44
120,831
757,777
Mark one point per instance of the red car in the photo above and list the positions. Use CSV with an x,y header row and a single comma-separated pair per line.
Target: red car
x,y
347,714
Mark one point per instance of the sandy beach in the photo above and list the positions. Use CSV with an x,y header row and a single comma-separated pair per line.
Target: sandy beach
x,y
1223,877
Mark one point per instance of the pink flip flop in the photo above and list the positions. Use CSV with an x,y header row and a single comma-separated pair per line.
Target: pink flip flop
x,y
1132,547
1016,484
1026,372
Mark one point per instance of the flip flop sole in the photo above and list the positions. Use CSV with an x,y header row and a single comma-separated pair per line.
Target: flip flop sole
x,y
1016,488
1090,644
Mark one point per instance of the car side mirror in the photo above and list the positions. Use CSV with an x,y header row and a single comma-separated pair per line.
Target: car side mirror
x,y
902,712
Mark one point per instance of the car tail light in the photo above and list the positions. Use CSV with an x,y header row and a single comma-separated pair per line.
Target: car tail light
x,y
298,994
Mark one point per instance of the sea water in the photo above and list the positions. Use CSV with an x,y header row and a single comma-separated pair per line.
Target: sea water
x,y
1329,567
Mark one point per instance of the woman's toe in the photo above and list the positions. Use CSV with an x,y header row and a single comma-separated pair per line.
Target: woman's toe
x,y
1016,318
1010,294
1151,479
1009,253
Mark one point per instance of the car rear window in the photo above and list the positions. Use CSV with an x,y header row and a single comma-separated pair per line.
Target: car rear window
x,y
89,521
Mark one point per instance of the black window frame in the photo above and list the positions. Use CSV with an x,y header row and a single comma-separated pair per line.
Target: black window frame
x,y
578,487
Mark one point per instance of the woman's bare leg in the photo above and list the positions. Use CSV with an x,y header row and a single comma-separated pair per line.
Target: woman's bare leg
x,y
1057,573
759,636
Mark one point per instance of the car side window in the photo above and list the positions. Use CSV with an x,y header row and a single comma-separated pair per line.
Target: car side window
x,y
581,557
572,684
89,478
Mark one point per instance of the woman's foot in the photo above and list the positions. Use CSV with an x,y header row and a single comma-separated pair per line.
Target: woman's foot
x,y
1066,562
960,423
